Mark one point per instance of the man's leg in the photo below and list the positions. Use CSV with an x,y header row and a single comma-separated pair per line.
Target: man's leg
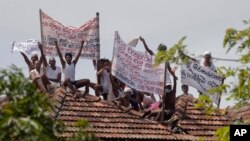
x,y
83,82
68,83
96,87
39,83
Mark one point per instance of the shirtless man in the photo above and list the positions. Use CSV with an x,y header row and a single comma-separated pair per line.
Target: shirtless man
x,y
31,62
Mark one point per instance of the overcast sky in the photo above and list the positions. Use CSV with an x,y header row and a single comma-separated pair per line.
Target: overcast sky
x,y
159,21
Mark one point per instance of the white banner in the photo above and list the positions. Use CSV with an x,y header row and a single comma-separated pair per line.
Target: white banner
x,y
69,38
201,78
135,68
27,47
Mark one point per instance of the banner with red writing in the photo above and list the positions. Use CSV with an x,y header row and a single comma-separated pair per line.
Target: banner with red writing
x,y
69,38
135,68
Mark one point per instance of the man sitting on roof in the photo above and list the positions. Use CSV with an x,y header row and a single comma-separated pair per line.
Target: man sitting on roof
x,y
53,72
38,77
33,59
68,67
124,100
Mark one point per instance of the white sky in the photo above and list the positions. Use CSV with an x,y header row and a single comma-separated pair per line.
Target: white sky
x,y
159,21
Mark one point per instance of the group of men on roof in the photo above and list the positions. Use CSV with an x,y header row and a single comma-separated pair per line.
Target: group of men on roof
x,y
47,77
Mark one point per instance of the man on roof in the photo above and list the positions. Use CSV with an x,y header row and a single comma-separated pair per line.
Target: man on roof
x,y
161,47
33,59
68,67
52,72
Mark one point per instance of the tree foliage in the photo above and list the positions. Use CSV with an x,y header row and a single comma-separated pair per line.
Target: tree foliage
x,y
240,40
26,114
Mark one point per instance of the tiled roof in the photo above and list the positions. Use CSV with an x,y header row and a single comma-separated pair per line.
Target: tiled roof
x,y
242,113
110,123
194,121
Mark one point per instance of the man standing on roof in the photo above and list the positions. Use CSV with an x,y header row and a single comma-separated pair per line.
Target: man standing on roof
x,y
53,72
104,74
161,47
207,61
168,99
68,67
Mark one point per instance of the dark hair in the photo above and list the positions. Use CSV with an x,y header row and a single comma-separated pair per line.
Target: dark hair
x,y
68,54
184,86
106,60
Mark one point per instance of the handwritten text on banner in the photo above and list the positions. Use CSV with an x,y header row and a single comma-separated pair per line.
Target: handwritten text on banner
x,y
136,69
201,78
69,38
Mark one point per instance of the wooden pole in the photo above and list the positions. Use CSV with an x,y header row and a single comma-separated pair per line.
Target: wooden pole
x,y
98,48
41,27
164,93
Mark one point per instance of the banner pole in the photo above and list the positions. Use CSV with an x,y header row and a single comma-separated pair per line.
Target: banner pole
x,y
98,48
218,106
164,93
41,27
116,35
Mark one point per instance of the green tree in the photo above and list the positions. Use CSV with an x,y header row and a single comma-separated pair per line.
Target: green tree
x,y
239,40
26,114
240,90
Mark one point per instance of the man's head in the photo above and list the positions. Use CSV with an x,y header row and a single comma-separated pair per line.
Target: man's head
x,y
34,57
117,82
106,63
52,61
207,56
184,88
68,57
162,47
128,91
168,88
37,64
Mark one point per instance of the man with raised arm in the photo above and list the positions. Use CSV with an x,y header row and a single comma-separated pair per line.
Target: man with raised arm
x,y
52,72
164,48
68,67
33,59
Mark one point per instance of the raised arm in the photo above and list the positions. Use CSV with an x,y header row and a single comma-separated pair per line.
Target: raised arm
x,y
79,53
26,59
94,64
175,82
172,71
43,58
60,55
146,46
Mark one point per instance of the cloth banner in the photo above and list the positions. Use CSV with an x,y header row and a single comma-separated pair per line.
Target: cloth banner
x,y
69,38
201,78
135,68
28,47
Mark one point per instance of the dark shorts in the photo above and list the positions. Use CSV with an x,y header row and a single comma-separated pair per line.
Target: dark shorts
x,y
73,83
